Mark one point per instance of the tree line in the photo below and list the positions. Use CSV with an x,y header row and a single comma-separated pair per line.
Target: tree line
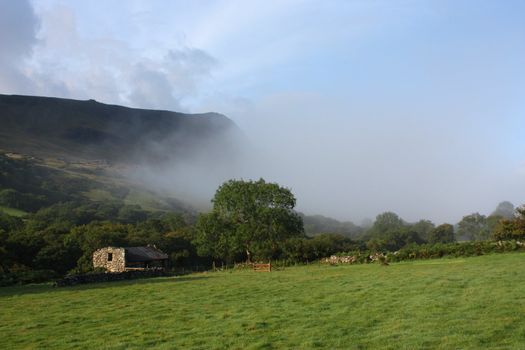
x,y
249,221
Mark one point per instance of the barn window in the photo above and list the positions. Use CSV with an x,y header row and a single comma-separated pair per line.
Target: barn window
x,y
110,256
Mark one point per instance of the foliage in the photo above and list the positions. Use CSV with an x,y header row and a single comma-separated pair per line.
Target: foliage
x,y
212,238
62,237
443,233
300,249
473,227
511,228
385,223
251,217
423,228
390,232
461,249
22,201
63,228
29,187
26,276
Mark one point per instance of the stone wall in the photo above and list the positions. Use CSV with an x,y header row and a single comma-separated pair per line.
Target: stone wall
x,y
109,277
118,259
334,259
352,259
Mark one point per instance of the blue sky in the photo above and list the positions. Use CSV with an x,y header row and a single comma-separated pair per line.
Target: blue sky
x,y
358,106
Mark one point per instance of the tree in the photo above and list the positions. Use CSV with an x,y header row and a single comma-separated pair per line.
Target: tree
x,y
520,212
95,235
401,237
214,237
248,217
504,209
492,223
395,239
442,234
474,227
511,228
384,223
423,228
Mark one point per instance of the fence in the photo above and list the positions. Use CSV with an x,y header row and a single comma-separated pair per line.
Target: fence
x,y
262,267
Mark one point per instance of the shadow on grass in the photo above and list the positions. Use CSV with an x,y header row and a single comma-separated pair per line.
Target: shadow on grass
x,y
49,288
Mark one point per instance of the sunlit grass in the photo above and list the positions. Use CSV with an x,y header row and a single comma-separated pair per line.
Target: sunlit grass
x,y
145,199
13,211
467,303
99,195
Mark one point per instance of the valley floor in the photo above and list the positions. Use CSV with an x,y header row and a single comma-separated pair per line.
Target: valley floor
x,y
470,303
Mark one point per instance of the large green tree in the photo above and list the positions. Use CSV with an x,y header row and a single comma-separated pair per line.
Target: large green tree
x,y
250,218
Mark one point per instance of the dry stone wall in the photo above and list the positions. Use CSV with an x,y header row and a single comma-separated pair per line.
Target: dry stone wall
x,y
109,277
353,259
334,259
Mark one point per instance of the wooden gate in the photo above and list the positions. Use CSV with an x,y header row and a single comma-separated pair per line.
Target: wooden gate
x,y
262,267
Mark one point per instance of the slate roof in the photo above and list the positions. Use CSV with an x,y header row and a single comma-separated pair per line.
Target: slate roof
x,y
149,253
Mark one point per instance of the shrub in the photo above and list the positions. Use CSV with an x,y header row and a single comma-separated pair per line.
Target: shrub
x,y
463,249
27,276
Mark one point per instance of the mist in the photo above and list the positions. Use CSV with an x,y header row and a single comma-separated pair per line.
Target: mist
x,y
358,108
354,162
190,165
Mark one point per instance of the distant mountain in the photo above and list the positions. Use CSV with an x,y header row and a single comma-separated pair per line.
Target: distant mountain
x,y
89,130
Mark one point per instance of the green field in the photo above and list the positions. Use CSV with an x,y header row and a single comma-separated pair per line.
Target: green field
x,y
469,303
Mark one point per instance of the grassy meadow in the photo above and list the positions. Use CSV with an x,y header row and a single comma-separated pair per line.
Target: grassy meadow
x,y
468,303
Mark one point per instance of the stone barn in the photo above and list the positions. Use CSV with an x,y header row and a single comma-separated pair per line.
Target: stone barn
x,y
120,259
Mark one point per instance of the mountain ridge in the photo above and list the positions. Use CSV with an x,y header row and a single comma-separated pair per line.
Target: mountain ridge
x,y
88,129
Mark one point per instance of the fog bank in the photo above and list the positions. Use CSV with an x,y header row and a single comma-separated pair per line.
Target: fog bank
x,y
355,159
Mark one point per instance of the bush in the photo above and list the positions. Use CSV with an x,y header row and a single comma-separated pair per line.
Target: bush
x,y
26,277
463,249
436,251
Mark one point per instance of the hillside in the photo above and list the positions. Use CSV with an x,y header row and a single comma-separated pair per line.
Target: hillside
x,y
28,184
89,130
55,149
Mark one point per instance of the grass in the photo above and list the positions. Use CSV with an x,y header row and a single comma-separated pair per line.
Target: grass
x,y
468,303
13,211
99,195
145,199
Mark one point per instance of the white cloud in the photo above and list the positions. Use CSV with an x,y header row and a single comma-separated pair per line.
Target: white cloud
x,y
18,27
59,60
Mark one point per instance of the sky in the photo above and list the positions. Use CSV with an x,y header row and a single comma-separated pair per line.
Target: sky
x,y
360,107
